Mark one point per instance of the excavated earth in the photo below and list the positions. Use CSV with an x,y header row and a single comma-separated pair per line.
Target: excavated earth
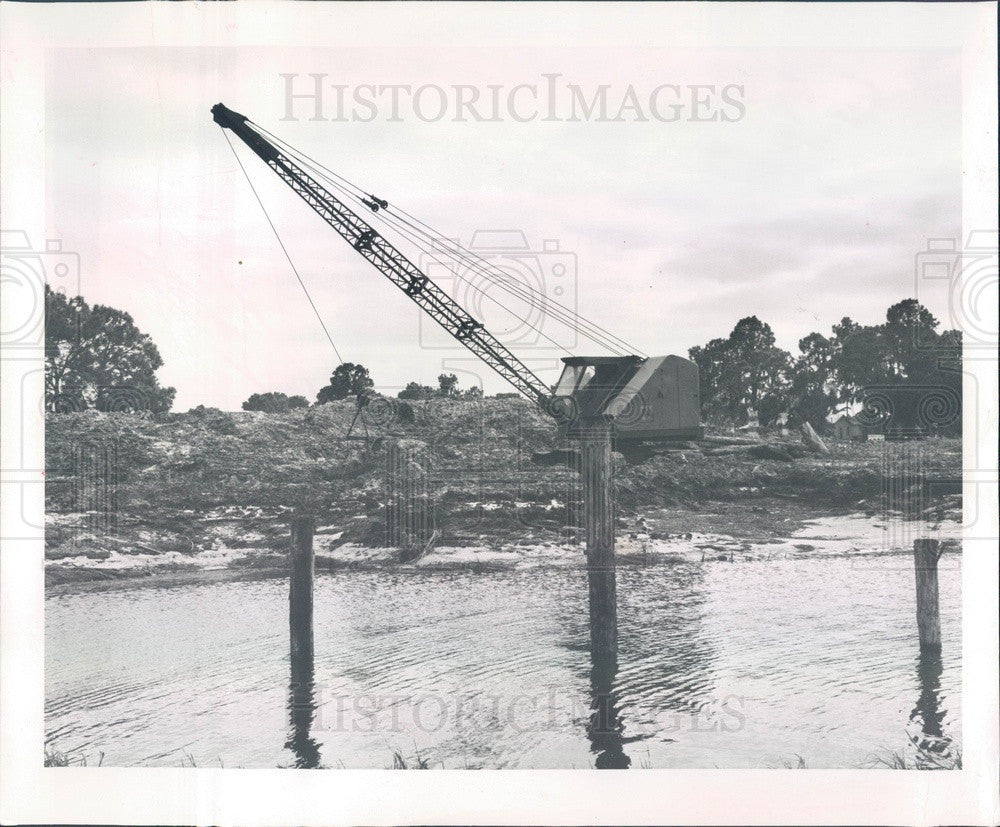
x,y
134,499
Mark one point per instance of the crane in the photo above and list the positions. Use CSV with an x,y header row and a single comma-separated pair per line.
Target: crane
x,y
596,398
388,260
649,398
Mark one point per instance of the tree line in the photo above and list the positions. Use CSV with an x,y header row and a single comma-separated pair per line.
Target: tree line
x,y
96,357
747,372
350,380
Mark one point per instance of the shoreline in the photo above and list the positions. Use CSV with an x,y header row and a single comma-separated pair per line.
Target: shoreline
x,y
660,537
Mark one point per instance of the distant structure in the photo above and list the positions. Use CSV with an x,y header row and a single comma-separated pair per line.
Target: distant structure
x,y
782,423
849,429
752,425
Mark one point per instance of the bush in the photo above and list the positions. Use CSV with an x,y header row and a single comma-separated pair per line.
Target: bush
x,y
274,402
414,390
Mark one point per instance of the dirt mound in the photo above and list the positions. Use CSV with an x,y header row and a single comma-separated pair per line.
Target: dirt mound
x,y
184,484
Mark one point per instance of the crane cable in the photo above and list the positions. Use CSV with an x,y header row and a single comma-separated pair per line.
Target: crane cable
x,y
284,249
536,300
386,221
608,339
394,224
565,315
292,263
472,260
312,304
482,292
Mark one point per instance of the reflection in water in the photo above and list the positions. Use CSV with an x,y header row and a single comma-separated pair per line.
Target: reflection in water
x,y
667,673
928,713
662,668
605,726
701,647
301,712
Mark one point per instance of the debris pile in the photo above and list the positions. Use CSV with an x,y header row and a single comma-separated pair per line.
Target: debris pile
x,y
209,484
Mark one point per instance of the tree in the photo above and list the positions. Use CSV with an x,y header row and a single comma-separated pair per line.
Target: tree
x,y
271,402
297,402
859,359
911,337
905,348
812,396
949,373
348,379
96,357
711,360
414,390
745,370
473,392
447,384
760,367
905,356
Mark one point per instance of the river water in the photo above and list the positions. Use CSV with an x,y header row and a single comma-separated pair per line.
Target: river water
x,y
802,652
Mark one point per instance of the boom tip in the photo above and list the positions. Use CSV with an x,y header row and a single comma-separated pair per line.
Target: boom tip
x,y
226,117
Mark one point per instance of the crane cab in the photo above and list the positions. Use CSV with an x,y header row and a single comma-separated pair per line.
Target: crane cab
x,y
654,399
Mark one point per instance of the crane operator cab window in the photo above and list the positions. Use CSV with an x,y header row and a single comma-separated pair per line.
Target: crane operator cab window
x,y
574,378
593,382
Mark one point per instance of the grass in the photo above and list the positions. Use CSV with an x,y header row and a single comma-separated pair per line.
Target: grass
x,y
886,759
399,762
923,760
55,758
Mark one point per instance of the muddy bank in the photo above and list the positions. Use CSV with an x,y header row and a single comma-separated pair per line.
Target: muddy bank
x,y
718,533
182,495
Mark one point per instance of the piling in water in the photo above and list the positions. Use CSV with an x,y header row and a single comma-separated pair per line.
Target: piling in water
x,y
300,593
925,563
302,712
597,477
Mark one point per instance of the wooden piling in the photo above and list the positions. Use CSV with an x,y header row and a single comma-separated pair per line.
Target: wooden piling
x,y
596,471
300,593
925,564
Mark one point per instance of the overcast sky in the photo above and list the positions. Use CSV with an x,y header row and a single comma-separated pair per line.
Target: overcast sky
x,y
808,204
